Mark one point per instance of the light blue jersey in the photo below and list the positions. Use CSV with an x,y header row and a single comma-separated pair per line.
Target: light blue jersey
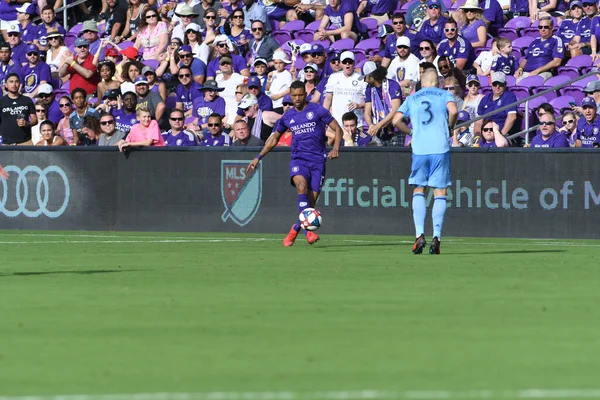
x,y
429,117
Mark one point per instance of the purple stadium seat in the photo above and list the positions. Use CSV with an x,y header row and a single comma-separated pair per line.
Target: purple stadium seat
x,y
447,3
152,63
281,36
522,43
520,91
323,43
300,64
125,45
285,47
170,103
531,81
484,80
518,23
293,26
509,33
370,23
485,90
274,25
536,23
583,82
343,44
314,26
359,55
580,61
573,91
360,64
556,80
70,39
406,6
571,72
562,102
511,81
369,44
305,35
457,5
532,32
76,29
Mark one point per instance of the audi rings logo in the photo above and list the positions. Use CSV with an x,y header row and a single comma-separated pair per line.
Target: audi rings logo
x,y
44,188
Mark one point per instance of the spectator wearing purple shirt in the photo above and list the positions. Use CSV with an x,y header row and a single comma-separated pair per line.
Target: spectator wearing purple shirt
x,y
217,137
389,50
35,73
352,136
7,65
493,14
8,13
588,127
186,90
342,18
222,44
378,9
458,49
505,61
472,24
549,137
126,117
568,27
28,30
177,136
187,59
382,101
545,53
48,22
432,27
581,43
518,8
491,135
18,47
207,103
499,98
47,97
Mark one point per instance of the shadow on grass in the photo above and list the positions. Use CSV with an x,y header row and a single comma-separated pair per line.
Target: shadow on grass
x,y
524,251
84,272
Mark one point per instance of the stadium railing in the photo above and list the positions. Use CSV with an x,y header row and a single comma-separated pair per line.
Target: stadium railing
x,y
526,100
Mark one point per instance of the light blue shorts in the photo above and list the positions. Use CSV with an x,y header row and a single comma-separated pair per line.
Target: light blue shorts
x,y
431,170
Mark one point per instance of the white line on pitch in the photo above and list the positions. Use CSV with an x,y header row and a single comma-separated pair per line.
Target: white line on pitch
x,y
545,394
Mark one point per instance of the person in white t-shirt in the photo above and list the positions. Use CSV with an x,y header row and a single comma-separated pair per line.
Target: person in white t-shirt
x,y
279,81
483,62
345,91
404,69
228,80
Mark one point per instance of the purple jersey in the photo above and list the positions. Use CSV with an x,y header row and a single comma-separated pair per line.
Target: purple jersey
x,y
483,143
460,49
566,30
54,113
380,7
505,64
8,11
488,104
19,54
589,134
186,95
519,6
492,11
32,76
389,50
239,64
595,28
6,69
336,18
362,139
435,33
124,121
394,90
541,52
308,129
469,32
201,108
584,30
29,33
42,32
230,8
557,140
220,140
183,138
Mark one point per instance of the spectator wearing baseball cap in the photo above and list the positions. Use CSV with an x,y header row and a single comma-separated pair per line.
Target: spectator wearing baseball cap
x,y
417,13
462,137
81,68
472,97
193,38
151,100
187,59
35,73
17,45
25,13
47,97
342,21
7,65
588,127
500,97
154,84
399,29
130,52
260,70
254,88
207,103
404,69
261,45
222,44
48,23
311,82
229,81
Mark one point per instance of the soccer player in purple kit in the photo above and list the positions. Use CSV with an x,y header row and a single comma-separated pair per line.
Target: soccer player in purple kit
x,y
308,123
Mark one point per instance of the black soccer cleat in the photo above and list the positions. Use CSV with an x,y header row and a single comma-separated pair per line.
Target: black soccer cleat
x,y
419,245
434,248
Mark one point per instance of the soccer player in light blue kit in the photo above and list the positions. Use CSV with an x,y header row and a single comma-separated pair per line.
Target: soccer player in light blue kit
x,y
433,113
308,123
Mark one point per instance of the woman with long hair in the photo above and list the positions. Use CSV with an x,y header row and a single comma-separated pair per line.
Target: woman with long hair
x,y
193,37
153,35
131,70
56,51
64,126
472,24
41,112
48,135
91,131
472,98
107,71
428,52
134,21
239,34
210,23
491,135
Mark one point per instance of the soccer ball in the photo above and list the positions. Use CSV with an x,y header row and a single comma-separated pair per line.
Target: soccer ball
x,y
310,219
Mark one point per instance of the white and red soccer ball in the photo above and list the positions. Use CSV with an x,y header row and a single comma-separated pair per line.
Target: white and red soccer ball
x,y
310,219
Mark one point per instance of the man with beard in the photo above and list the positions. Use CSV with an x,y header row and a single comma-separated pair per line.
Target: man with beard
x,y
47,97
18,113
7,65
149,99
48,23
126,117
35,73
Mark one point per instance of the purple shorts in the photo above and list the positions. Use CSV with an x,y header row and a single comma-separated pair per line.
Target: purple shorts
x,y
314,173
277,11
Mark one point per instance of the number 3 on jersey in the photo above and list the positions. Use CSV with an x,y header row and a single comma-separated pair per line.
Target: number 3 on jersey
x,y
427,106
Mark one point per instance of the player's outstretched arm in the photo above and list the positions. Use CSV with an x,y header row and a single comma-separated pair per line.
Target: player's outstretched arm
x,y
3,173
452,115
337,141
269,144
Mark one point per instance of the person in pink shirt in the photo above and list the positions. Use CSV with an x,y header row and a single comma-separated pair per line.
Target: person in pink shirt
x,y
146,133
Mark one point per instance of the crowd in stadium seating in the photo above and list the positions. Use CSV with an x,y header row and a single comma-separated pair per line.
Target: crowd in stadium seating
x,y
218,73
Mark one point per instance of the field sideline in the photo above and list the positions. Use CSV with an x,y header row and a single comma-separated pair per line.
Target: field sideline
x,y
178,316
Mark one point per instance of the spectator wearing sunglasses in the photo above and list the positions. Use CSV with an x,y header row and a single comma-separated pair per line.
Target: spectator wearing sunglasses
x,y
417,12
41,112
472,98
35,73
7,64
581,43
399,30
153,35
109,135
433,26
47,98
568,26
472,23
239,34
217,137
193,38
184,17
457,48
588,127
491,135
224,48
569,128
544,53
64,125
81,68
206,10
177,135
499,97
207,103
17,46
229,81
404,69
451,84
261,45
185,91
187,59
548,136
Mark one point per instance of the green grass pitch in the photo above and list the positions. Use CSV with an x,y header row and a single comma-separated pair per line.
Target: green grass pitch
x,y
198,316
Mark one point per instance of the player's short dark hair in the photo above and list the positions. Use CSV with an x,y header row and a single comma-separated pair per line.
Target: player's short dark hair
x,y
78,90
106,114
398,15
11,75
451,21
349,116
215,115
297,85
